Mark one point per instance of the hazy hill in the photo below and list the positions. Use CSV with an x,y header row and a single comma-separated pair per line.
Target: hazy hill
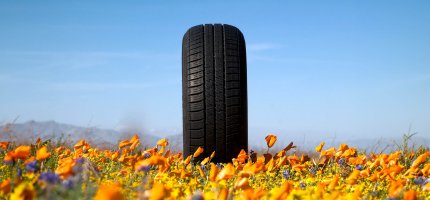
x,y
31,130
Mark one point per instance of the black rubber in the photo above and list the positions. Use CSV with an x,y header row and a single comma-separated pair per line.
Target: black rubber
x,y
214,91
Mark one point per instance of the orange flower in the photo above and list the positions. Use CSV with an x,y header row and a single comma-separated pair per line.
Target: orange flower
x,y
80,144
4,145
5,186
243,184
21,152
124,143
213,172
8,158
283,191
410,195
242,156
109,192
65,167
395,189
198,152
319,147
333,182
289,146
353,177
426,187
42,153
187,160
134,142
270,140
158,192
226,173
206,160
163,142
420,159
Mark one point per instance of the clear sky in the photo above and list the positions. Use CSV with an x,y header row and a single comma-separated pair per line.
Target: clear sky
x,y
315,68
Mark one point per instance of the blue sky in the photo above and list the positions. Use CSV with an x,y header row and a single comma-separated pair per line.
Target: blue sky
x,y
346,69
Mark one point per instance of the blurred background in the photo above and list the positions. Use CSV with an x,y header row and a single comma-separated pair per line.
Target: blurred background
x,y
337,71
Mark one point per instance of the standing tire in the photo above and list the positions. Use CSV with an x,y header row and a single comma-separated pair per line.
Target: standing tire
x,y
214,91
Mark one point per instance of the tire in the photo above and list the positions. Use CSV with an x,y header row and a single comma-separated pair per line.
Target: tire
x,y
214,91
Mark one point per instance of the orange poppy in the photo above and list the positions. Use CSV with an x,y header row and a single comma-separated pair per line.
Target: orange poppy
x,y
187,160
42,153
158,192
213,172
420,159
80,144
198,152
270,140
21,152
410,195
395,189
226,173
124,143
353,177
109,192
242,156
243,184
4,145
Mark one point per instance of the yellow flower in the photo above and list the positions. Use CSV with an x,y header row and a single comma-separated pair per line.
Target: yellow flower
x,y
243,184
163,142
353,177
158,192
270,140
23,191
198,152
319,147
226,173
42,153
109,192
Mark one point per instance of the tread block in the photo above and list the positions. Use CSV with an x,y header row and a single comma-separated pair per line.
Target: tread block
x,y
196,97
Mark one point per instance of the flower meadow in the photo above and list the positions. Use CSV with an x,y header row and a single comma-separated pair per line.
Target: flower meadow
x,y
44,170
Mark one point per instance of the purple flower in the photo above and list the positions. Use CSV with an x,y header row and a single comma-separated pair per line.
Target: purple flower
x,y
341,161
302,185
145,168
146,155
219,166
359,167
49,177
19,172
80,161
32,166
286,174
197,196
313,170
8,162
419,180
68,184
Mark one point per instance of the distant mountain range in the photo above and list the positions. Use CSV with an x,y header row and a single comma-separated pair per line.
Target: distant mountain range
x,y
69,134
